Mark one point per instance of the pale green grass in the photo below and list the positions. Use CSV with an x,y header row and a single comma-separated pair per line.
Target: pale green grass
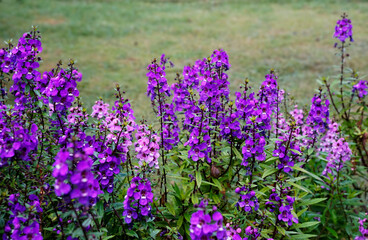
x,y
113,41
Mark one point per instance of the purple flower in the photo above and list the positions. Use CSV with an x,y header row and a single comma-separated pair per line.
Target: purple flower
x,y
337,149
363,229
147,147
361,87
203,226
75,182
137,202
344,29
286,215
248,201
23,222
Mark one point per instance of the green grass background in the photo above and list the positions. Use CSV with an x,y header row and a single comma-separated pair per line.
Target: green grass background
x,y
114,40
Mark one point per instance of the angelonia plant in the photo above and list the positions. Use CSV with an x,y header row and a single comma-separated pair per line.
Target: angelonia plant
x,y
213,165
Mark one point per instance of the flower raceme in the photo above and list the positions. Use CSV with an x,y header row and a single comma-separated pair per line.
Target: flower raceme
x,y
344,29
205,226
24,219
361,88
137,202
147,147
74,178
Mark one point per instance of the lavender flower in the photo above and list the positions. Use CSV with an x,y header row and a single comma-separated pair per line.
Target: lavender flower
x,y
24,221
286,215
252,233
74,178
337,149
363,229
361,87
318,117
204,226
147,147
344,29
138,200
248,202
113,149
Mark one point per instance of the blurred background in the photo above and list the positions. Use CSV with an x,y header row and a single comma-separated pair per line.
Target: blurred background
x,y
114,40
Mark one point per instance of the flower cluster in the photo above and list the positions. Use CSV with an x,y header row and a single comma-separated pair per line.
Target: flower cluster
x,y
200,143
337,149
247,200
147,147
252,233
231,233
100,109
16,139
344,29
361,87
284,206
204,226
74,178
159,90
77,116
62,89
213,81
256,113
285,214
363,229
287,151
229,125
112,146
23,61
170,127
157,86
318,117
24,219
138,200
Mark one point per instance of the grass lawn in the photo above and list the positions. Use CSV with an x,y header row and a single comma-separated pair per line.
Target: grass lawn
x,y
114,40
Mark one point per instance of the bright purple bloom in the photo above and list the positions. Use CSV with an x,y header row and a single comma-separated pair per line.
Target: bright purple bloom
x,y
344,29
363,229
204,226
361,88
137,202
23,223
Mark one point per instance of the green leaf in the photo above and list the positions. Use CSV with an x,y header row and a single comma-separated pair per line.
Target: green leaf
x,y
333,232
301,212
77,233
108,237
281,230
216,199
171,208
199,178
302,236
308,202
296,151
195,199
217,183
100,208
87,222
180,222
154,232
237,153
268,172
305,171
310,151
271,159
307,224
132,233
300,187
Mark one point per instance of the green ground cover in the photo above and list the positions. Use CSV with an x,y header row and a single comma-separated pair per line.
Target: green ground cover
x,y
113,41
